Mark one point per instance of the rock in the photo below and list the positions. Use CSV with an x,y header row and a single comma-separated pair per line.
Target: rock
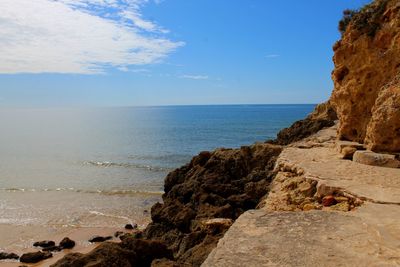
x,y
383,130
348,152
34,257
341,199
219,184
340,145
309,206
98,239
131,227
67,243
53,248
342,206
366,59
376,159
137,234
328,201
8,256
323,116
130,252
164,263
118,233
217,225
44,244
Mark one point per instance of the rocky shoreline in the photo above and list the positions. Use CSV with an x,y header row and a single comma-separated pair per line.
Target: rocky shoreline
x,y
304,169
202,200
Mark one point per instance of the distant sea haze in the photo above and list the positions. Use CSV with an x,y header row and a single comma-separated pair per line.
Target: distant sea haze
x,y
61,167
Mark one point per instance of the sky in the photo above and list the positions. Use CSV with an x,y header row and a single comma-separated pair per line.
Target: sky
x,y
73,53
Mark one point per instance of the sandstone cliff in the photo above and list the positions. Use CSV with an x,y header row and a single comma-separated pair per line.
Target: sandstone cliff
x,y
367,64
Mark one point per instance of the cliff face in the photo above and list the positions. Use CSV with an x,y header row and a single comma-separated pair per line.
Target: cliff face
x,y
367,63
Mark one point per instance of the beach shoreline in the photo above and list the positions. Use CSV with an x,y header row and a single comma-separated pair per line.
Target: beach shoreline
x,y
12,235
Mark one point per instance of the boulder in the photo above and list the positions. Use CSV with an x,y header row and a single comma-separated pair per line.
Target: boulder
x,y
44,244
348,152
131,227
8,256
67,243
34,257
340,145
376,159
98,239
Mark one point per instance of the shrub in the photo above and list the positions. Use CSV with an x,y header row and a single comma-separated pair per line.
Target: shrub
x,y
366,20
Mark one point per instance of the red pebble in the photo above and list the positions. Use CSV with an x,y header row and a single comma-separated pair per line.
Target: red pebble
x,y
328,201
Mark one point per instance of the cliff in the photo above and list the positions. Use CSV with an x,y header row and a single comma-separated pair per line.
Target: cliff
x,y
366,96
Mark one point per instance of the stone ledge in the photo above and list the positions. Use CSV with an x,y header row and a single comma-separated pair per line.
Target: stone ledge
x,y
315,238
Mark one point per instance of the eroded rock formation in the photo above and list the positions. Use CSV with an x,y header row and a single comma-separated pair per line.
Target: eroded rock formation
x,y
366,59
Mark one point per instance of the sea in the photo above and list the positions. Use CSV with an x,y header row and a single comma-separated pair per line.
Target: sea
x,y
102,167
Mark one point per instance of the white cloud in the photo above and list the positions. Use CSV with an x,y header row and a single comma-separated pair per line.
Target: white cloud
x,y
195,77
78,36
272,56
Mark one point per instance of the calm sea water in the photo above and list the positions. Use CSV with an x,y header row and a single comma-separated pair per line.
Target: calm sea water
x,y
69,166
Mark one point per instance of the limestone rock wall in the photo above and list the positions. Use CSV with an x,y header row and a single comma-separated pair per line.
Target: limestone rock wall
x,y
366,59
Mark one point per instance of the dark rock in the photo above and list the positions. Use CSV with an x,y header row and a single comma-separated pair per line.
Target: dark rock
x,y
219,184
131,227
164,263
130,252
67,243
118,233
8,256
44,244
34,257
53,248
98,239
137,234
323,116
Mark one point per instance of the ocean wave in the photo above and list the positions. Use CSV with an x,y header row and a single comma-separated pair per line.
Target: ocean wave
x,y
98,213
167,157
88,191
108,164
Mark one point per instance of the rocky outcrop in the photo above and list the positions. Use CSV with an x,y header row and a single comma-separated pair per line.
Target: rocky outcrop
x,y
323,116
366,59
220,184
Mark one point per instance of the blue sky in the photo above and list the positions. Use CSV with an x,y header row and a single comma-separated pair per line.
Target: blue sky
x,y
167,52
